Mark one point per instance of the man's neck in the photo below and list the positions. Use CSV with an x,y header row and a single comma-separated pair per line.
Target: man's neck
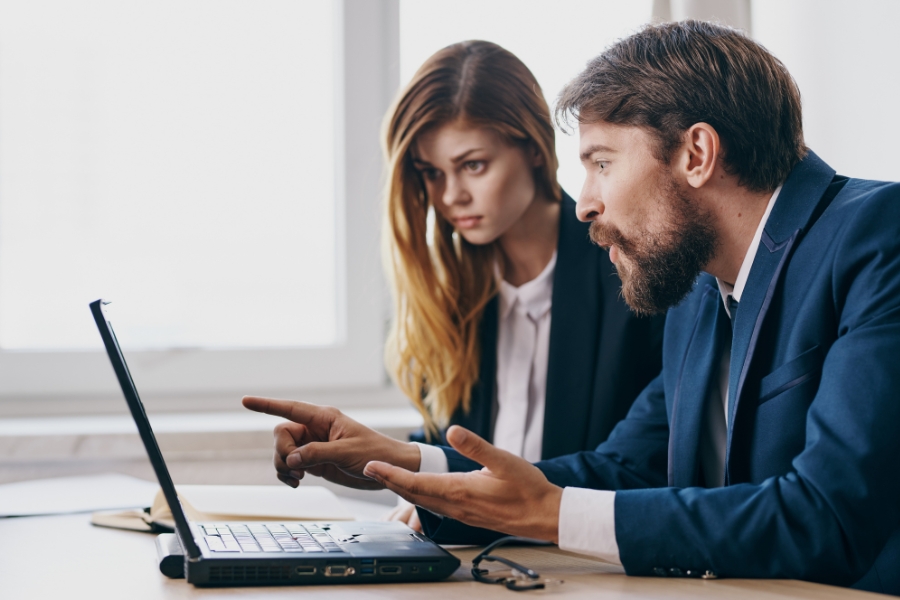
x,y
737,213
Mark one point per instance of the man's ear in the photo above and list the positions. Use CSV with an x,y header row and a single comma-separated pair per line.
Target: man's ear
x,y
698,157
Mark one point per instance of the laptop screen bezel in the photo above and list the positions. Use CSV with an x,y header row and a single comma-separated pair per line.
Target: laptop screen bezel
x,y
182,528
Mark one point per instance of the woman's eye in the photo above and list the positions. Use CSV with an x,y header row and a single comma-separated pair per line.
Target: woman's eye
x,y
430,174
474,166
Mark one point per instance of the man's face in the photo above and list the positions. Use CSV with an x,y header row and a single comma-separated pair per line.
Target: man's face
x,y
658,236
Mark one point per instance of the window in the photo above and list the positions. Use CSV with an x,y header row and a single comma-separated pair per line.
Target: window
x,y
213,168
175,157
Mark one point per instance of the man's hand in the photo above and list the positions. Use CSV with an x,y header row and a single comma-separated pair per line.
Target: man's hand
x,y
322,441
509,494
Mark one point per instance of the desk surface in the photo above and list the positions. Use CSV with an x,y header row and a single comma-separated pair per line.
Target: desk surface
x,y
66,557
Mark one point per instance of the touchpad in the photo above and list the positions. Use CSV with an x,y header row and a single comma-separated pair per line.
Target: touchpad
x,y
386,537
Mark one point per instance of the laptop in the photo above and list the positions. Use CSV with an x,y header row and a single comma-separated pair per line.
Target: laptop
x,y
280,552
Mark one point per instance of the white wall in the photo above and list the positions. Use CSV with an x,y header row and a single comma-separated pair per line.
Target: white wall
x,y
844,56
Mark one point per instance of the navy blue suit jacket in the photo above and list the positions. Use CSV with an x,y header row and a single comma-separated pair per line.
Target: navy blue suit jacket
x,y
601,354
812,484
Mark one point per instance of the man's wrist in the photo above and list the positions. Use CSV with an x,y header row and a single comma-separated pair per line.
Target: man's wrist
x,y
549,518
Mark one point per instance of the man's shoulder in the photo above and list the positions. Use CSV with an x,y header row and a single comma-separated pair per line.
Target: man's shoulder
x,y
874,205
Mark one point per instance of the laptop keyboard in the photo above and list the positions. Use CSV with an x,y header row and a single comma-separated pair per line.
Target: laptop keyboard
x,y
289,537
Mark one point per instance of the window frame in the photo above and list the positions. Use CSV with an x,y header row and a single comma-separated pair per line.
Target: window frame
x,y
366,45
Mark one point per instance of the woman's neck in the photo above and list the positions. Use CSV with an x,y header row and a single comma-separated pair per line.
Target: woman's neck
x,y
528,246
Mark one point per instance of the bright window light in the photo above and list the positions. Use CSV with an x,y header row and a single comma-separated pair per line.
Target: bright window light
x,y
554,39
175,157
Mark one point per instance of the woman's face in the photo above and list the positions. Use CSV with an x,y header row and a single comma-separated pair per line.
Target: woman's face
x,y
475,179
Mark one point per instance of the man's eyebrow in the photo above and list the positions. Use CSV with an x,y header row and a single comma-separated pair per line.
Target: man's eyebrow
x,y
595,148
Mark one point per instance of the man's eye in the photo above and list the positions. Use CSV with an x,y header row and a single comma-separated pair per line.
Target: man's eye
x,y
603,164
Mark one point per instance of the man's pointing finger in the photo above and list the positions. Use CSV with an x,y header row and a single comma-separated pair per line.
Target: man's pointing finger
x,y
298,412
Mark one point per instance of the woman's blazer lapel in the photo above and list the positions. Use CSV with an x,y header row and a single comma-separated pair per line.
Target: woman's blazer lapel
x,y
574,329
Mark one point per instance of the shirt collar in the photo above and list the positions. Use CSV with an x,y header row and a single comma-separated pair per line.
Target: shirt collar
x,y
737,290
533,297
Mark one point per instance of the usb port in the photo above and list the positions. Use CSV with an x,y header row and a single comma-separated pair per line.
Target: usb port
x,y
390,570
367,570
305,570
367,561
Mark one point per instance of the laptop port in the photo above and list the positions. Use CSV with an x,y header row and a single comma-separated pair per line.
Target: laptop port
x,y
339,571
367,571
389,570
305,570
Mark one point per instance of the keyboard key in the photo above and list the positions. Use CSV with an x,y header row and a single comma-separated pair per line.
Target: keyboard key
x,y
217,545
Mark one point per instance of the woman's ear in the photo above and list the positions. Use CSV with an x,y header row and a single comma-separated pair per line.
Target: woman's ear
x,y
537,158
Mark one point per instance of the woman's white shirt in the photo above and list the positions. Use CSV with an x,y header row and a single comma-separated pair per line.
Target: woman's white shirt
x,y
523,351
523,345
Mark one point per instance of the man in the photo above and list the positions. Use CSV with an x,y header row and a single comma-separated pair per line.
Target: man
x,y
767,445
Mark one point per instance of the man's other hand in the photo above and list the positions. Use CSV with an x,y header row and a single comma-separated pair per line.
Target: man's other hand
x,y
509,494
324,442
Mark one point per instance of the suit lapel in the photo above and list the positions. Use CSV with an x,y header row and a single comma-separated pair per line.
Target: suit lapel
x,y
699,370
574,330
791,214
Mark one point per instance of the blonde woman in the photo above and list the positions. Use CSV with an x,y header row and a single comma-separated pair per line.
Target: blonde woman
x,y
508,321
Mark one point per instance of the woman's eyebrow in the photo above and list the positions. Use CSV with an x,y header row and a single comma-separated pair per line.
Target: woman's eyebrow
x,y
462,157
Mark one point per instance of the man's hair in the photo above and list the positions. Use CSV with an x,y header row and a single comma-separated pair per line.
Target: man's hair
x,y
668,77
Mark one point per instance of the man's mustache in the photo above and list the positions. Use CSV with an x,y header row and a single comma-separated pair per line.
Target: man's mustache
x,y
606,235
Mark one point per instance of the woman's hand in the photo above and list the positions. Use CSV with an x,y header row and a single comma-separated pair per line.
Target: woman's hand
x,y
324,442
405,513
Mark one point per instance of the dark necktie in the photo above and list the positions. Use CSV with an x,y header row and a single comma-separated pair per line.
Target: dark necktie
x,y
732,309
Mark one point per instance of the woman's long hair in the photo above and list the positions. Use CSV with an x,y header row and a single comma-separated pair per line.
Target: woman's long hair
x,y
441,285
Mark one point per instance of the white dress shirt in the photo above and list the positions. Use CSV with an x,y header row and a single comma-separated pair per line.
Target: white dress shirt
x,y
587,519
523,351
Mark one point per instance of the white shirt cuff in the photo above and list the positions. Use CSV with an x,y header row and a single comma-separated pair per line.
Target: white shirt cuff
x,y
432,459
587,523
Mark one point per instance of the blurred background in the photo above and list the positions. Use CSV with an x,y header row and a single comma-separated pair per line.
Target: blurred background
x,y
213,168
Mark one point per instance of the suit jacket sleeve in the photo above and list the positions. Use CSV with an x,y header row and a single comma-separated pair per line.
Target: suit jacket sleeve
x,y
829,517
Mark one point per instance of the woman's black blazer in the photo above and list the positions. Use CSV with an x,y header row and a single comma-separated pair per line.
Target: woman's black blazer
x,y
601,354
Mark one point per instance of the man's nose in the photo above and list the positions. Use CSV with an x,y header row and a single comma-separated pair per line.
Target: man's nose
x,y
589,206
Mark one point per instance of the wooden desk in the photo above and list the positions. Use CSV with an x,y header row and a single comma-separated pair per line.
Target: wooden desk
x,y
66,557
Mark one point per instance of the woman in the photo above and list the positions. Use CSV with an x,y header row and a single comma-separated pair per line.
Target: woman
x,y
508,321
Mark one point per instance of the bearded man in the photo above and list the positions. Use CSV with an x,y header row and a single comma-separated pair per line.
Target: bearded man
x,y
767,446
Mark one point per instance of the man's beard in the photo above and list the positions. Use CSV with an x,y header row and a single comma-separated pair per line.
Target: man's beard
x,y
658,269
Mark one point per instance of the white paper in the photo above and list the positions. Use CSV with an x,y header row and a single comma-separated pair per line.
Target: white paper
x,y
61,495
305,502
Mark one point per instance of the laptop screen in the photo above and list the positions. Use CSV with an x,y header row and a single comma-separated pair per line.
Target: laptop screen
x,y
143,424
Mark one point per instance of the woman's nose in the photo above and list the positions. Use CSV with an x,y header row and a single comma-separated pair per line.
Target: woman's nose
x,y
454,192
